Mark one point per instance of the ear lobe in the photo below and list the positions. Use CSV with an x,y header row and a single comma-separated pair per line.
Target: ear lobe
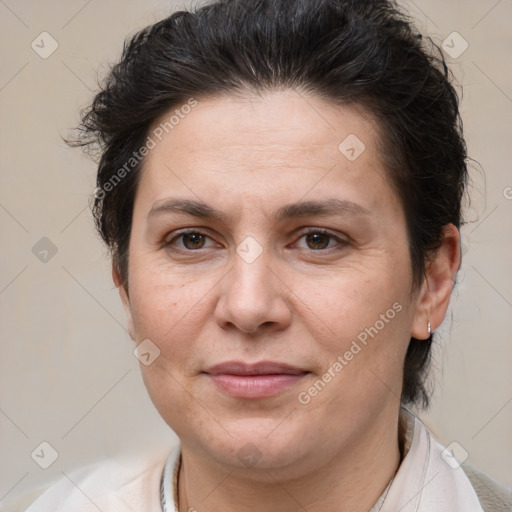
x,y
434,297
125,298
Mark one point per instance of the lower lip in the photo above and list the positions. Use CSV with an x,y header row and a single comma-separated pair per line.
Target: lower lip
x,y
255,386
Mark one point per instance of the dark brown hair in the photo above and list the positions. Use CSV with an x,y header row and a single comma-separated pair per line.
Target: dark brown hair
x,y
348,52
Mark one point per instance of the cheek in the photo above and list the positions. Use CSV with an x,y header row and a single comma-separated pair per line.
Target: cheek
x,y
349,301
165,387
173,310
362,316
161,299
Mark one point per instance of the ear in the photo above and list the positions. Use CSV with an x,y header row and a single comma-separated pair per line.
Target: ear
x,y
435,293
125,298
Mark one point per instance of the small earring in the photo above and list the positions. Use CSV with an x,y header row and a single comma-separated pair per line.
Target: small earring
x,y
429,328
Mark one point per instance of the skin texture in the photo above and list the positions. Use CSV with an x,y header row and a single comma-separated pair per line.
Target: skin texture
x,y
303,301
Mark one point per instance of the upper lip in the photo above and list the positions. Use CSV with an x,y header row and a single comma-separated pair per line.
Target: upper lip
x,y
259,368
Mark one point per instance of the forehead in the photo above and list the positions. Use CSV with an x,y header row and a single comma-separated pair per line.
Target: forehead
x,y
286,118
263,146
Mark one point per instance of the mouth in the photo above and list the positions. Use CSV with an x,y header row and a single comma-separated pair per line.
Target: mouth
x,y
258,380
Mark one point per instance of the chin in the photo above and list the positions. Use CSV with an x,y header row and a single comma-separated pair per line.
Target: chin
x,y
258,444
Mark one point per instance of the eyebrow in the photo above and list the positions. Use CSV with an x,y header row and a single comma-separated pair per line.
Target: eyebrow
x,y
200,209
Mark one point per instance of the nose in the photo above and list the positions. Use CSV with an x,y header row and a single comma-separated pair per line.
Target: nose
x,y
253,297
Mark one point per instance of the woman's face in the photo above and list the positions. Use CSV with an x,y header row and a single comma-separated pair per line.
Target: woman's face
x,y
295,273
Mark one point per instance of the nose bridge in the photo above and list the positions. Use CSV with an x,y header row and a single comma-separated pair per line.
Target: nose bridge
x,y
252,261
251,295
252,278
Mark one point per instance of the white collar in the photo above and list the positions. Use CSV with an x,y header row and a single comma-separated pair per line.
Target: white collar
x,y
424,481
429,478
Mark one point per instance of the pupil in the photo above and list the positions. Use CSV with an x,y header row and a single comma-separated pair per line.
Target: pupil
x,y
195,239
316,239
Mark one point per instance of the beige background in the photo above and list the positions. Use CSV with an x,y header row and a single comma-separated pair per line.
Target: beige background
x,y
67,372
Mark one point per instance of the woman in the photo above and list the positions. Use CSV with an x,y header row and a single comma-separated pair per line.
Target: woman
x,y
280,185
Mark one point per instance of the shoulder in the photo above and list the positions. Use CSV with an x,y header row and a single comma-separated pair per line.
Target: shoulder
x,y
493,496
130,482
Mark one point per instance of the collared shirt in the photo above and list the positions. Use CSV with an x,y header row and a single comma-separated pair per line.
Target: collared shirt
x,y
429,479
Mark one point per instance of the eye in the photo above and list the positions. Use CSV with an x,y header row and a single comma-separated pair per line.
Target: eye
x,y
319,240
315,240
190,241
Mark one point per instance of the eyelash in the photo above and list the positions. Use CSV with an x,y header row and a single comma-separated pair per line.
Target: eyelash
x,y
303,234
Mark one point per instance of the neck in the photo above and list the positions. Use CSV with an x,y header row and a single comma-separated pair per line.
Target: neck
x,y
351,480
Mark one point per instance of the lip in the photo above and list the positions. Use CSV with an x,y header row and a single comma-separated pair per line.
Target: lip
x,y
255,380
